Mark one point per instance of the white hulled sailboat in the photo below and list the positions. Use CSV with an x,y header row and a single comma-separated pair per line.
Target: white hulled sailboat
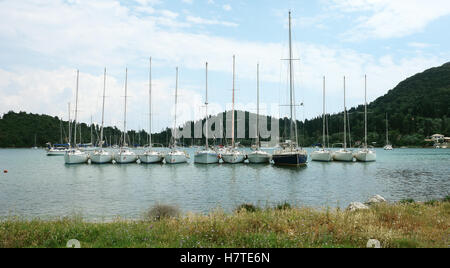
x,y
125,155
206,156
323,155
258,156
388,146
232,155
150,156
100,156
344,155
74,155
365,154
176,156
60,149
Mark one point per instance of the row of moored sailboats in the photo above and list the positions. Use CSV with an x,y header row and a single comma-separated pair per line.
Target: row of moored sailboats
x,y
365,154
289,154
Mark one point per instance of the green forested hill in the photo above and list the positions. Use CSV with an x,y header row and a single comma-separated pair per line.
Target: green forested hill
x,y
417,107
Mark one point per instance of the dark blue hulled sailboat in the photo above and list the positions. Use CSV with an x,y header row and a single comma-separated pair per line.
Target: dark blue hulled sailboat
x,y
290,154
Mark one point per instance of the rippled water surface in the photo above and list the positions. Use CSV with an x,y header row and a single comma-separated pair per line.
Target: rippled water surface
x,y
41,186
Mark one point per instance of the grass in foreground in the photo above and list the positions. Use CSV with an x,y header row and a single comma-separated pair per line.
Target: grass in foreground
x,y
394,225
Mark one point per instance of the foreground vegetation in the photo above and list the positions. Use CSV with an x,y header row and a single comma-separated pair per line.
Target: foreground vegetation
x,y
406,224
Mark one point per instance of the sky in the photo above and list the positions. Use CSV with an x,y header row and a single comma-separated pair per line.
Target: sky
x,y
43,44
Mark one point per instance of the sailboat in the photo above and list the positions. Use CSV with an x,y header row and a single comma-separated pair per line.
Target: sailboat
x,y
59,149
290,154
75,155
101,156
176,156
150,156
231,155
125,155
258,156
365,155
344,155
206,156
323,155
388,146
35,145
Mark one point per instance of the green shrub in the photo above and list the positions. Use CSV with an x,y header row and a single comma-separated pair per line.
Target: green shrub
x,y
407,201
161,211
248,208
283,206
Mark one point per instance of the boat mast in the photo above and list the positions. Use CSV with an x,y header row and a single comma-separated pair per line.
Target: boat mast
x,y
125,115
103,109
365,111
92,134
175,121
61,130
206,108
150,106
70,130
345,120
324,141
76,110
291,80
387,131
258,143
232,115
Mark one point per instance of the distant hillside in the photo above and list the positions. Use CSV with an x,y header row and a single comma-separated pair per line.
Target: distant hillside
x,y
417,107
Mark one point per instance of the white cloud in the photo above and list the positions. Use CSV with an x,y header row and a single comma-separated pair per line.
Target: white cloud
x,y
391,19
419,45
227,7
198,20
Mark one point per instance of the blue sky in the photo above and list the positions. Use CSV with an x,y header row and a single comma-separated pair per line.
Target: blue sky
x,y
44,42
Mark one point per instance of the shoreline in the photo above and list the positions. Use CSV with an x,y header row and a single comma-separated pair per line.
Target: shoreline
x,y
403,224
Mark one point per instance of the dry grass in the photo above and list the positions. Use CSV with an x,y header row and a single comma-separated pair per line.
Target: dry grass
x,y
394,225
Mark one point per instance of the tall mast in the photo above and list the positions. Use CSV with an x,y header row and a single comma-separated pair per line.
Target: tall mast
x,y
175,121
125,115
257,107
232,115
323,117
345,120
290,75
92,134
365,111
206,108
150,106
76,110
387,131
70,129
103,110
61,130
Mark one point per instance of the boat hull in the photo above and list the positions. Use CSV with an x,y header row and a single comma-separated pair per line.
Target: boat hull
x,y
322,156
366,156
77,158
151,158
294,160
388,148
101,158
56,152
206,158
233,158
171,158
258,158
125,158
342,156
